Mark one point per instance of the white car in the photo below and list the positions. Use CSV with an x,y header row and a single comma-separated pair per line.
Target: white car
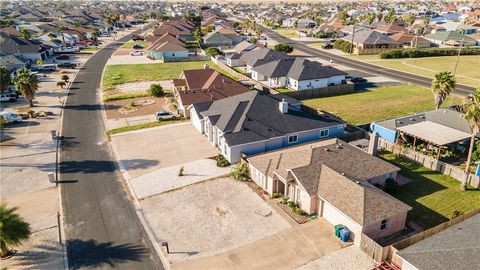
x,y
9,117
164,115
136,53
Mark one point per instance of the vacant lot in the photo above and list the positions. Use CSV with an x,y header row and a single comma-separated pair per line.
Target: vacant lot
x,y
288,32
433,196
379,103
468,71
210,217
119,74
129,45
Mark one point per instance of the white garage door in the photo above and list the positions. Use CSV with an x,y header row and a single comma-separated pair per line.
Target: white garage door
x,y
334,216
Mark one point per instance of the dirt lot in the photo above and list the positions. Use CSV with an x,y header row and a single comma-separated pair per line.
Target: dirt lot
x,y
145,151
113,108
210,217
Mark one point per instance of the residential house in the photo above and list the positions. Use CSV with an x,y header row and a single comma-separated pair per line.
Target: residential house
x,y
371,42
259,56
450,38
411,41
26,48
13,62
338,182
274,72
453,248
233,57
167,51
204,85
222,37
306,23
255,122
390,28
305,74
174,30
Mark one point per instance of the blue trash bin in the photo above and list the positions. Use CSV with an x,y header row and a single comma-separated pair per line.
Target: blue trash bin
x,y
344,235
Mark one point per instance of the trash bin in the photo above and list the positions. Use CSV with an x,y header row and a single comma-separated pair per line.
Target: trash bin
x,y
338,227
344,235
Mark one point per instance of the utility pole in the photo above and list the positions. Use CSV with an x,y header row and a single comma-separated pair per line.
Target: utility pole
x,y
351,45
458,57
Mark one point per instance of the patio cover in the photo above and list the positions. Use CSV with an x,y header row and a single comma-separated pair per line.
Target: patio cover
x,y
435,133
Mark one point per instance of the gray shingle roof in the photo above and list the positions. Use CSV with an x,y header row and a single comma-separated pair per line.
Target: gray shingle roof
x,y
303,69
253,116
370,37
276,68
261,56
457,248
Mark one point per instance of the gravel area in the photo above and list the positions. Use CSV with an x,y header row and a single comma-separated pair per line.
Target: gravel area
x,y
116,109
210,217
141,87
345,259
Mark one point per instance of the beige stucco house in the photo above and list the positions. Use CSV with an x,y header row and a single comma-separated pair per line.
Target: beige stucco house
x,y
337,181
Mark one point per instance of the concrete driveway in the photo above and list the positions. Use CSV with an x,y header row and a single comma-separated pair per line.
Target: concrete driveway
x,y
144,151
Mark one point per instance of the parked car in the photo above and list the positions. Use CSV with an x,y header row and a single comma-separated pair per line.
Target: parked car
x,y
67,65
47,67
358,80
138,38
9,117
138,46
164,115
8,97
327,46
63,58
136,53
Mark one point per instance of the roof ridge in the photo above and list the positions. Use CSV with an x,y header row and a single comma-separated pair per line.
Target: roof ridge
x,y
210,80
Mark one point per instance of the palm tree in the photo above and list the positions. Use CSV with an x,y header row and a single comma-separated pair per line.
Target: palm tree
x,y
61,29
25,34
472,114
442,86
4,78
27,84
13,229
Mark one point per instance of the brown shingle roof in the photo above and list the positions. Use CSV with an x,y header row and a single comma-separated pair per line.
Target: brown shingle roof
x,y
156,40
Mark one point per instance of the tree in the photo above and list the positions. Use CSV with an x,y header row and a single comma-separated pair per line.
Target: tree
x,y
156,90
4,78
65,78
426,21
62,29
343,15
13,229
61,84
254,40
153,15
472,114
411,19
212,51
283,47
442,86
370,17
25,33
27,84
240,172
39,62
390,17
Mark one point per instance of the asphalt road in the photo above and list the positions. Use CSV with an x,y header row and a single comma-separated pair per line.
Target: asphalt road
x,y
362,66
102,228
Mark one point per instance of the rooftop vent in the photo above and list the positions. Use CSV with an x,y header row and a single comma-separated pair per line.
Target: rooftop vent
x,y
343,173
358,182
339,147
412,119
283,106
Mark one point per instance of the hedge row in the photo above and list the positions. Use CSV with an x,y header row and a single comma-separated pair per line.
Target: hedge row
x,y
415,53
342,45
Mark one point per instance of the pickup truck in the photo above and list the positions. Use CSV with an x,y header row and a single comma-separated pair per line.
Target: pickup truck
x,y
138,38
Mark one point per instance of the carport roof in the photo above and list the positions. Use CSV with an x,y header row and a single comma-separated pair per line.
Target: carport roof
x,y
435,133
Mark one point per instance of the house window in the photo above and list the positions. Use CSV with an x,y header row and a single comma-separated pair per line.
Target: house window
x,y
293,139
323,133
384,224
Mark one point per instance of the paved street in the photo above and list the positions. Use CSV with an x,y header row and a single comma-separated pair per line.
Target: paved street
x,y
102,229
370,68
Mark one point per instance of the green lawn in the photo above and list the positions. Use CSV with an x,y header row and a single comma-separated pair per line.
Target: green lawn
x,y
468,71
288,32
283,90
379,103
145,125
433,196
129,44
119,74
89,49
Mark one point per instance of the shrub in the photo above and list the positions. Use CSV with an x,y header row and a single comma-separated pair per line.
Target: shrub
x,y
65,78
212,51
342,45
156,90
283,47
240,172
284,199
299,211
313,216
292,204
275,195
61,84
180,171
416,53
221,161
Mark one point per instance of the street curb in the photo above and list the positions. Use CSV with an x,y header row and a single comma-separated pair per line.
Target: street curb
x,y
125,177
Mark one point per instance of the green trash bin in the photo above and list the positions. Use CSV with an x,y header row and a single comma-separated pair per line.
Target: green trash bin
x,y
338,227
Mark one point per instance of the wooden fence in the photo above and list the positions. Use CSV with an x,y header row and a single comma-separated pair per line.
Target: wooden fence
x,y
333,90
373,249
184,59
431,163
233,72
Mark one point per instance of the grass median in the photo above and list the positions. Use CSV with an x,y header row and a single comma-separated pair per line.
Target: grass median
x,y
433,196
144,125
379,103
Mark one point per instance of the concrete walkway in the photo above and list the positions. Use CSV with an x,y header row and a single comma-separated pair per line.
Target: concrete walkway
x,y
345,259
285,250
167,179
